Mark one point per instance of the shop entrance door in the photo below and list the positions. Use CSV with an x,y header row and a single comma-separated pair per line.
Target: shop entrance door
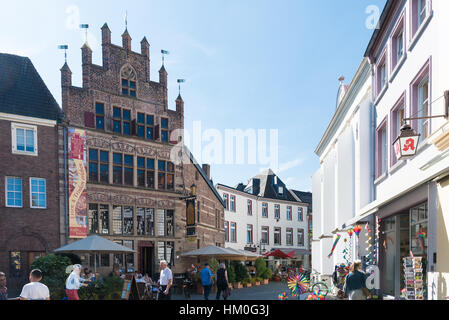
x,y
146,260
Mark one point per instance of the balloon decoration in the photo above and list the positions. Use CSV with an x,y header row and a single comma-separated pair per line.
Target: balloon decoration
x,y
369,244
334,246
298,284
316,296
283,296
357,230
422,239
350,232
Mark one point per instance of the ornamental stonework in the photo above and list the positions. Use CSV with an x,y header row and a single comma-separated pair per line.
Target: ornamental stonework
x,y
145,202
122,147
98,197
146,151
123,199
98,143
166,204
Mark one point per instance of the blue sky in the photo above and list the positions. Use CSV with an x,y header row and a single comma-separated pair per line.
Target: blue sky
x,y
249,64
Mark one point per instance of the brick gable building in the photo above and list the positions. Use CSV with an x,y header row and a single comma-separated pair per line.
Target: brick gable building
x,y
134,192
29,207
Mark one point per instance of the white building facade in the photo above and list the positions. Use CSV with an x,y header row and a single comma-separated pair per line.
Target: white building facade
x,y
405,206
341,187
264,216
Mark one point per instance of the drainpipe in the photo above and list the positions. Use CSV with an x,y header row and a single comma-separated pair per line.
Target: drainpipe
x,y
66,208
372,139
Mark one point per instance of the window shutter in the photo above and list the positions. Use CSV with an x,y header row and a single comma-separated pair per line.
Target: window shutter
x,y
170,139
156,132
89,119
134,127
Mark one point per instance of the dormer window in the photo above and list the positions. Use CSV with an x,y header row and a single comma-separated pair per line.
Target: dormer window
x,y
129,85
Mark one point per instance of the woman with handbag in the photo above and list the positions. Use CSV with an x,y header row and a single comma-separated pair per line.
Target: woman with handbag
x,y
355,285
222,282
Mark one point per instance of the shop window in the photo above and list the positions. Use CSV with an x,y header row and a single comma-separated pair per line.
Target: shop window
x,y
117,222
128,220
145,221
418,230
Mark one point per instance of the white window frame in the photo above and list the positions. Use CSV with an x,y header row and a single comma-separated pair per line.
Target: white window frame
x,y
265,230
6,192
399,46
31,193
14,127
421,10
423,113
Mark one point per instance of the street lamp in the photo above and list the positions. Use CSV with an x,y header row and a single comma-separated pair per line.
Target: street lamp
x,y
406,145
193,190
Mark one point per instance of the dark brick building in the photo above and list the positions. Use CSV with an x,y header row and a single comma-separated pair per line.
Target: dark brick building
x,y
29,206
134,190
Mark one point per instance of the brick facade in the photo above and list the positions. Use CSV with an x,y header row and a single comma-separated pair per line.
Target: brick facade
x,y
32,232
104,85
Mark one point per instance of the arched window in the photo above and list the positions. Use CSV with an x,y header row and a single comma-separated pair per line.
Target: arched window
x,y
128,77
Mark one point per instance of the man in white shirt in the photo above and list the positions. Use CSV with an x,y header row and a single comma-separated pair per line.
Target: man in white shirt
x,y
35,290
166,281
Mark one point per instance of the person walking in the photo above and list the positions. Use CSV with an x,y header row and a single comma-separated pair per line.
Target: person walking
x,y
165,281
3,288
355,284
222,282
35,290
74,283
206,280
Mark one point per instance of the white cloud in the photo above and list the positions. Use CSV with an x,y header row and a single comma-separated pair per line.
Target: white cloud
x,y
290,165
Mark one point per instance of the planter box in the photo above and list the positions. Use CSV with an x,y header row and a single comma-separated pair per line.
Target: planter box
x,y
266,281
247,285
238,285
257,283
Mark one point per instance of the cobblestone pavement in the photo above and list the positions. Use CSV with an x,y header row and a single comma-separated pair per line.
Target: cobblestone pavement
x,y
262,292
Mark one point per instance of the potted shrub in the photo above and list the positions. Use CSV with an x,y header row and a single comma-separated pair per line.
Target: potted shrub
x,y
237,285
258,281
246,283
241,273
267,276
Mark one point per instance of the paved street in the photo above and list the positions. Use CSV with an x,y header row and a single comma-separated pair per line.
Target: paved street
x,y
263,292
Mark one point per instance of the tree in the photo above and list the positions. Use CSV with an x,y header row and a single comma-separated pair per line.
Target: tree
x,y
261,266
241,272
54,274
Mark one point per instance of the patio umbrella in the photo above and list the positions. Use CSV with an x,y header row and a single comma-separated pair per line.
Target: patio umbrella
x,y
278,254
214,251
94,245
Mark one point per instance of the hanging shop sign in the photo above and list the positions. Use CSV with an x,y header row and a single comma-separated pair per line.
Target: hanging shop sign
x,y
77,183
406,144
190,213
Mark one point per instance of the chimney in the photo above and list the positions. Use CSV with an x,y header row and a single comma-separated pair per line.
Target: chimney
x,y
206,169
145,49
86,53
126,40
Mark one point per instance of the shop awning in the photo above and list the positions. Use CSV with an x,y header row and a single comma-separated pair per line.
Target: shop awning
x,y
279,254
359,219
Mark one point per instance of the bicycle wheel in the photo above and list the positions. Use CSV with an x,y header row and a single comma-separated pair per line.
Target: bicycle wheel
x,y
320,288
